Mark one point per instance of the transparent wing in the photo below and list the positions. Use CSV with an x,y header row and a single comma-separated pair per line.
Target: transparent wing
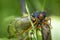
x,y
46,32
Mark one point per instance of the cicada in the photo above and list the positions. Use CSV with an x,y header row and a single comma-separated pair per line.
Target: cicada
x,y
22,26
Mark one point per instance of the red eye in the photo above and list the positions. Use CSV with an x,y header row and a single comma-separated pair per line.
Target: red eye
x,y
41,16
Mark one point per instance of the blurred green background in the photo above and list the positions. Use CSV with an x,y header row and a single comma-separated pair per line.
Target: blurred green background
x,y
12,8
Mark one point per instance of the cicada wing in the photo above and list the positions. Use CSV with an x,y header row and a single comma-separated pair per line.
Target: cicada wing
x,y
46,32
11,29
